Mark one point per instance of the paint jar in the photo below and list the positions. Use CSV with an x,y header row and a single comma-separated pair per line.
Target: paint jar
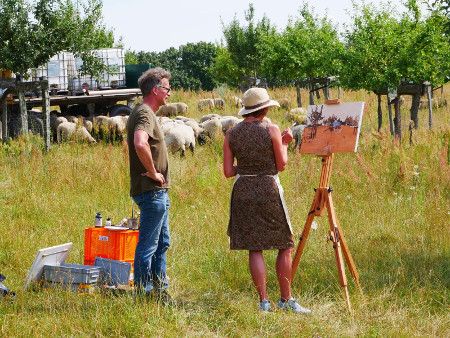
x,y
108,222
98,220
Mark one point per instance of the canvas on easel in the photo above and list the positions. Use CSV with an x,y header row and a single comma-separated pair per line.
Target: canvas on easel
x,y
332,128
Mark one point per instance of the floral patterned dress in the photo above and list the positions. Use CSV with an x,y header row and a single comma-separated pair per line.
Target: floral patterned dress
x,y
258,220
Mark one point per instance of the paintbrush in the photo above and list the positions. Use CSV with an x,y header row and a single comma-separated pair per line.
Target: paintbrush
x,y
285,132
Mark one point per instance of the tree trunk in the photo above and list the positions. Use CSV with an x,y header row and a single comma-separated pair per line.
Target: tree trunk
x,y
317,93
430,107
415,110
299,97
311,92
391,122
46,114
380,113
398,119
411,129
5,119
339,92
23,114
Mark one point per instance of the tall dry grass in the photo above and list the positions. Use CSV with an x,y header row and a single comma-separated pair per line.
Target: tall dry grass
x,y
391,198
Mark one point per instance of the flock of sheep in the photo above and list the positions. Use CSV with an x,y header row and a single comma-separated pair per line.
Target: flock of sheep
x,y
67,127
183,133
180,132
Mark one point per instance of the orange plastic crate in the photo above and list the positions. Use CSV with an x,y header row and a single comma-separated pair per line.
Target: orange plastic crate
x,y
119,245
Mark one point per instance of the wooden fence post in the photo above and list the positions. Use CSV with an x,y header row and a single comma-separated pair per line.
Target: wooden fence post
x,y
415,110
4,119
430,107
23,113
311,91
299,97
398,118
46,112
391,122
380,113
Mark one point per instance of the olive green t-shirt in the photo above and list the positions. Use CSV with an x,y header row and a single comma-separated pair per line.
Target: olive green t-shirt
x,y
143,118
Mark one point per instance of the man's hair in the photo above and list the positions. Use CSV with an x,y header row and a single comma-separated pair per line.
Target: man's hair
x,y
152,78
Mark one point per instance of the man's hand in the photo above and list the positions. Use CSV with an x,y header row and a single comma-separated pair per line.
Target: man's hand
x,y
155,176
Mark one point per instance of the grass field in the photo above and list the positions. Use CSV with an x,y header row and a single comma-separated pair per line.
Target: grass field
x,y
392,200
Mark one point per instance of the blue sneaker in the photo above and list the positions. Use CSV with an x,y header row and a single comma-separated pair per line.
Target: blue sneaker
x,y
264,306
292,305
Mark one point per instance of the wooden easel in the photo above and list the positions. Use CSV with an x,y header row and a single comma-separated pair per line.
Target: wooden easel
x,y
322,200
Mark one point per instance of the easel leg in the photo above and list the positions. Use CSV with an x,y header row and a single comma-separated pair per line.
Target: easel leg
x,y
305,233
348,257
335,238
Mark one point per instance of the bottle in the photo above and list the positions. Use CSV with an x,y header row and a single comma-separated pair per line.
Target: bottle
x,y
108,222
98,220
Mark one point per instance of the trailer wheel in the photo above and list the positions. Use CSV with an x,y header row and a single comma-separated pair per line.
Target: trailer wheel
x,y
120,110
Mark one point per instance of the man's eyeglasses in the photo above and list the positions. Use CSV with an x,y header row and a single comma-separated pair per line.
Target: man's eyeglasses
x,y
166,88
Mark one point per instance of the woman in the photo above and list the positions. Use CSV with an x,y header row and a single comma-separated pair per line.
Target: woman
x,y
258,216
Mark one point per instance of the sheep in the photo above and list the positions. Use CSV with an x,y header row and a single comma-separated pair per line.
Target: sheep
x,y
182,108
55,121
68,129
211,126
118,126
297,133
164,119
219,103
228,122
205,103
168,110
101,123
85,122
195,127
88,125
237,102
183,118
299,111
284,103
296,115
167,127
208,117
71,118
109,128
179,138
172,109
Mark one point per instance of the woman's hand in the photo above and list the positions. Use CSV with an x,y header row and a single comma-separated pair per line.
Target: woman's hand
x,y
286,136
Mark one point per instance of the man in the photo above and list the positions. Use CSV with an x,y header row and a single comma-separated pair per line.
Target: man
x,y
149,174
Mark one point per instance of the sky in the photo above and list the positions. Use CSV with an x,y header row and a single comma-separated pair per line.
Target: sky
x,y
154,26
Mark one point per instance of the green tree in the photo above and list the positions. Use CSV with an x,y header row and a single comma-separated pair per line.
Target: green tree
x,y
31,33
370,44
308,47
190,65
196,61
383,47
425,51
242,56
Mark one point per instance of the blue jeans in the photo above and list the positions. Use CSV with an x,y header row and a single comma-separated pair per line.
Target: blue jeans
x,y
154,240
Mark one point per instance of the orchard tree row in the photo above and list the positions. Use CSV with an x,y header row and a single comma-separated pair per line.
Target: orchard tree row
x,y
379,47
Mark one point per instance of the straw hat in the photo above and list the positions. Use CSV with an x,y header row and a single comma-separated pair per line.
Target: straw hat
x,y
255,99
